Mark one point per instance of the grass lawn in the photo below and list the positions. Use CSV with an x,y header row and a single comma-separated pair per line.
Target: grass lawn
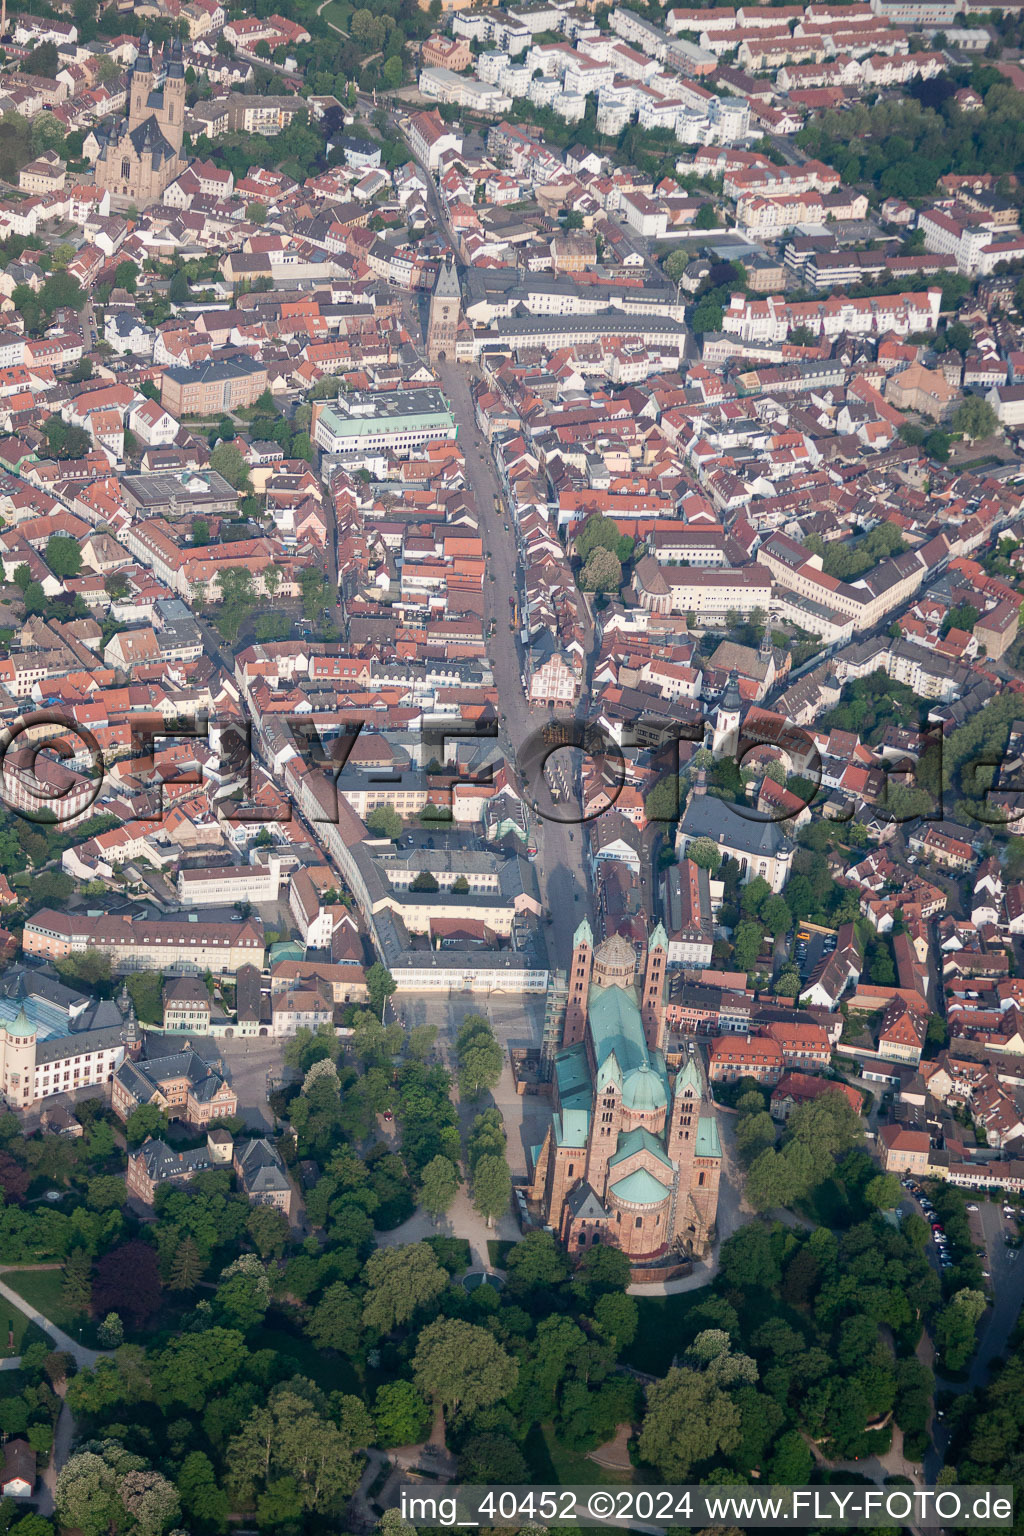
x,y
338,13
332,1372
15,1325
12,1383
663,1330
41,1288
555,1465
498,1250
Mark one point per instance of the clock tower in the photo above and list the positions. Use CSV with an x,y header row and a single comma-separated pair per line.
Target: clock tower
x,y
445,304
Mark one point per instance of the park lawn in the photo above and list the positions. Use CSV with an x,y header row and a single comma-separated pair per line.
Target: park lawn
x,y
12,1383
331,1371
553,1464
498,1250
15,1327
338,13
663,1330
42,1289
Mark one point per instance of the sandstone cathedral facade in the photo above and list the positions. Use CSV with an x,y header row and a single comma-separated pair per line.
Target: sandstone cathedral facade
x,y
142,154
632,1156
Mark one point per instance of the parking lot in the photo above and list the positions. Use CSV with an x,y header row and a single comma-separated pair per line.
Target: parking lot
x,y
810,946
919,1203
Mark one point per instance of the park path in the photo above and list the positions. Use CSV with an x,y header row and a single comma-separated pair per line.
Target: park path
x,y
84,1358
333,25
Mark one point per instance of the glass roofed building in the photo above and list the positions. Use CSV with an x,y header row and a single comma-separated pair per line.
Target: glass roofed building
x,y
632,1155
54,1039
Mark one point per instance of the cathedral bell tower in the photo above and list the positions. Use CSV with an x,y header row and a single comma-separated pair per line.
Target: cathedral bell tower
x,y
579,984
652,1007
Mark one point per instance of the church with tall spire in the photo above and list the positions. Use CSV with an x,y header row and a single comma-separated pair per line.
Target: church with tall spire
x,y
632,1156
141,154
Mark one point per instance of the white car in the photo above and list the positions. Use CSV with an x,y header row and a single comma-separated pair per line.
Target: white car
x,y
970,1207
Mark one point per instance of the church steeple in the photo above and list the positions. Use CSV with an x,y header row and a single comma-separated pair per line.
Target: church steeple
x,y
725,736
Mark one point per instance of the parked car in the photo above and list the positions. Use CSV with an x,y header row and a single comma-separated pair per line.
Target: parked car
x,y
971,1208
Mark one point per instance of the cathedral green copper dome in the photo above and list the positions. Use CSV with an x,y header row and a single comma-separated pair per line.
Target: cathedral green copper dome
x,y
643,1089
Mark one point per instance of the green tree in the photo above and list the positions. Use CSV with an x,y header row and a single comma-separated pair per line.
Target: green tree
x,y
64,441
187,1266
76,1289
788,983
662,803
746,941
268,1229
399,1282
335,1323
111,1332
602,572
373,1042
386,821
776,916
883,1192
975,418
707,316
688,1420
380,984
480,1065
227,460
392,72
937,445
956,1325
44,60
754,895
147,1120
492,1188
200,531
86,1495
289,1439
126,275
754,1135
616,1317
201,1499
401,1414
462,1366
704,853
146,991
149,1500
439,1184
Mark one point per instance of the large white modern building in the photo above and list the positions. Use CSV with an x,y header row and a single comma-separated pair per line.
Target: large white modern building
x,y
397,421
